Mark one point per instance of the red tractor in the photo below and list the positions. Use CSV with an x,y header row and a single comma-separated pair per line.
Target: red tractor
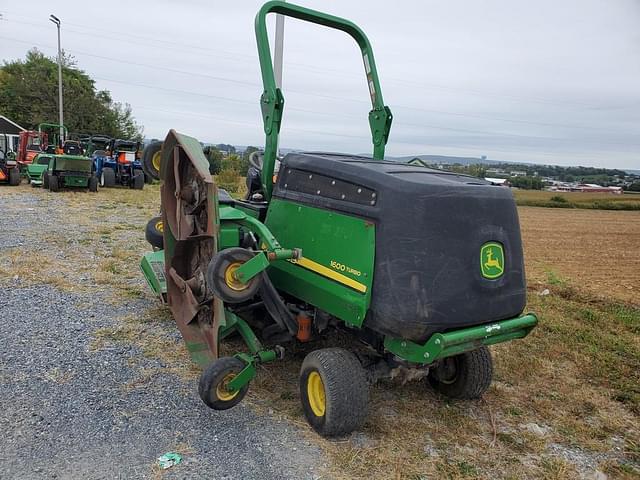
x,y
31,143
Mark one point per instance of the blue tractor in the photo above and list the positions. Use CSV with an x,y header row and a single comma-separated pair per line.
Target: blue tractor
x,y
119,164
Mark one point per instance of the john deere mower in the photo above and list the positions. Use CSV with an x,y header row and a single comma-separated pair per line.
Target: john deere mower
x,y
422,266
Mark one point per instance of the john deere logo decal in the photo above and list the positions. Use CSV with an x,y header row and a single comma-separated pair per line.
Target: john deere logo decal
x,y
492,260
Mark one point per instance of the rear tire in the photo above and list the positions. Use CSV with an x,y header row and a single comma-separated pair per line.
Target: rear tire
x,y
154,233
213,380
107,177
14,176
466,376
334,391
45,179
138,180
150,163
54,184
93,183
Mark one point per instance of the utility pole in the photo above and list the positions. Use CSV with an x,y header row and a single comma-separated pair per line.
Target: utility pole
x,y
56,20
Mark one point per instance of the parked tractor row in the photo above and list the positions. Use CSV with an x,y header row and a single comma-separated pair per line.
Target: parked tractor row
x,y
47,160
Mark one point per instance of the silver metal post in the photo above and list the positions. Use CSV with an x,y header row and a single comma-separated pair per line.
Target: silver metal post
x,y
56,20
278,50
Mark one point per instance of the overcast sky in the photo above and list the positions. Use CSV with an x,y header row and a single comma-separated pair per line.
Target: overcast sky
x,y
549,81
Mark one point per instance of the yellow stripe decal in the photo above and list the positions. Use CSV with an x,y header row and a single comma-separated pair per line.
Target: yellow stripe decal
x,y
332,274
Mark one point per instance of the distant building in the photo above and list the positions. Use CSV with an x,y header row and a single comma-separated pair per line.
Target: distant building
x,y
497,181
584,188
11,130
518,173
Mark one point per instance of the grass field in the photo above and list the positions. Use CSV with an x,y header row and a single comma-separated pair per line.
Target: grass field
x,y
598,201
565,402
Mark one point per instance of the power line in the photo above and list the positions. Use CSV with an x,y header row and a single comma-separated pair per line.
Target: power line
x,y
252,58
331,97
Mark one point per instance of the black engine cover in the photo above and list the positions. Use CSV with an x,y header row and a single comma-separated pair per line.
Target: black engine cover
x,y
430,228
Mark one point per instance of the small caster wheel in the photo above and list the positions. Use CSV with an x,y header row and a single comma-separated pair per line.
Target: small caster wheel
x,y
334,391
220,278
154,233
465,376
212,387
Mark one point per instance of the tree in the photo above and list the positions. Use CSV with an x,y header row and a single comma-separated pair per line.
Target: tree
x,y
215,158
29,96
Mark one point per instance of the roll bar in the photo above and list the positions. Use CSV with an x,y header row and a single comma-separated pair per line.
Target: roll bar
x,y
272,100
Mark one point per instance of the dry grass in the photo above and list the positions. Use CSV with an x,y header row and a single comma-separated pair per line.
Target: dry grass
x,y
599,201
576,375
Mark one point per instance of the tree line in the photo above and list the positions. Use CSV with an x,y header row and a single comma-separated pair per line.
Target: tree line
x,y
29,96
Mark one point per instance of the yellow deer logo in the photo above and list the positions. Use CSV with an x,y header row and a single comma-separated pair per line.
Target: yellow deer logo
x,y
492,262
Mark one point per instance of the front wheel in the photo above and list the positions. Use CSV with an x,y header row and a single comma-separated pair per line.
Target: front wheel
x,y
212,387
14,176
221,280
466,376
93,183
334,391
107,177
154,232
54,184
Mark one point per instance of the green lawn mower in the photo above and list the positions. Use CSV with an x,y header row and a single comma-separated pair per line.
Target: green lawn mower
x,y
54,172
424,267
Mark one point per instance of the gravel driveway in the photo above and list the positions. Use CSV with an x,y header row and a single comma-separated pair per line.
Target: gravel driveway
x,y
69,410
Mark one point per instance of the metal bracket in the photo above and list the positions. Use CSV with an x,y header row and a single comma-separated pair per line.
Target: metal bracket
x,y
442,345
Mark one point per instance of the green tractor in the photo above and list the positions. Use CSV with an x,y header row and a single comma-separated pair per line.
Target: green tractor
x,y
419,269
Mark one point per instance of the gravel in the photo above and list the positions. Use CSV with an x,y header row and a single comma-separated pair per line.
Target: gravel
x,y
67,414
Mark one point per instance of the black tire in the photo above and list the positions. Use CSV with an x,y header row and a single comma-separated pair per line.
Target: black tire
x,y
54,184
151,168
345,390
93,183
108,177
212,381
138,180
466,376
154,232
14,176
220,282
45,179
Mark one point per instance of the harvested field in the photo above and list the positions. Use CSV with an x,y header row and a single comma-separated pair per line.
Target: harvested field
x,y
565,402
596,250
598,201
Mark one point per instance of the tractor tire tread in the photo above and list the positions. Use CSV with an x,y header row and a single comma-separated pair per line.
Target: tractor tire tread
x,y
153,235
14,177
346,391
474,378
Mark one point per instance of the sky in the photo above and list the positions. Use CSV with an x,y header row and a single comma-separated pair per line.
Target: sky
x,y
543,82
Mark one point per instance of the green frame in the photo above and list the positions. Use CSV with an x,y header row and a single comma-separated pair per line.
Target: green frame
x,y
272,100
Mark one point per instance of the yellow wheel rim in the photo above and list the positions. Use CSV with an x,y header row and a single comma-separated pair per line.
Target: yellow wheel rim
x,y
232,282
221,390
160,226
156,160
315,393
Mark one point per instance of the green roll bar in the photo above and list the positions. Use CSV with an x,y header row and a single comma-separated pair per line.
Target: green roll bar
x,y
272,100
